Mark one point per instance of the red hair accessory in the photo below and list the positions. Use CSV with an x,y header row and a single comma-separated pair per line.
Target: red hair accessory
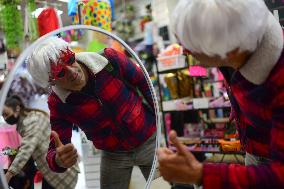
x,y
67,58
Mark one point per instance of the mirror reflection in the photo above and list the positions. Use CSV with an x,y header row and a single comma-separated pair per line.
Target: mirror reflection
x,y
86,108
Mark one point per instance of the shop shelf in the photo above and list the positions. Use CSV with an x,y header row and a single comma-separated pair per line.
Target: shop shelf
x,y
166,63
188,103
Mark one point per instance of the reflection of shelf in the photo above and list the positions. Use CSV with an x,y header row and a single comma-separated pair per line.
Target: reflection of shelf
x,y
218,120
216,150
189,103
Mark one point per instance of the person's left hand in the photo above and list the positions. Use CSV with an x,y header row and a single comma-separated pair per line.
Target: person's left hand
x,y
180,167
8,175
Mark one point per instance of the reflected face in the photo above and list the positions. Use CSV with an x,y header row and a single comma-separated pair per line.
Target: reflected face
x,y
73,77
10,116
67,73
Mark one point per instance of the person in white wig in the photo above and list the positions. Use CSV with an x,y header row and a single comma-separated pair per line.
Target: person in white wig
x,y
244,40
97,94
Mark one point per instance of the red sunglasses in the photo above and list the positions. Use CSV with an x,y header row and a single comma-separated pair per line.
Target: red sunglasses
x,y
58,70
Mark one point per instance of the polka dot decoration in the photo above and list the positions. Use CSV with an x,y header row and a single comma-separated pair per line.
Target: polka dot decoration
x,y
96,13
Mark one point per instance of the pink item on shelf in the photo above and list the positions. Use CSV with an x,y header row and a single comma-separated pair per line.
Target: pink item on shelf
x,y
197,71
8,137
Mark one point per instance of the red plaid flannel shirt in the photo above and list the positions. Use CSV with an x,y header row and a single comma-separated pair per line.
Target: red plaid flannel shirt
x,y
121,123
259,113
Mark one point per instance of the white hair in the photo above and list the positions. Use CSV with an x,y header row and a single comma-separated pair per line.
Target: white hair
x,y
216,27
38,63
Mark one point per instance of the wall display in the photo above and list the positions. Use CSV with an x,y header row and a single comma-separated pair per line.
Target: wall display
x,y
121,70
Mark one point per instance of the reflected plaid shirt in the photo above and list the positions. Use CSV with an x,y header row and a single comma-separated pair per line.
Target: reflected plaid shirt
x,y
112,116
259,114
35,132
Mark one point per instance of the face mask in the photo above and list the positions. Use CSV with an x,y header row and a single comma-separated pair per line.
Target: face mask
x,y
11,120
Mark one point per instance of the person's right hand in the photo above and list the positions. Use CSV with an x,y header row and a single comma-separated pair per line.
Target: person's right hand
x,y
66,155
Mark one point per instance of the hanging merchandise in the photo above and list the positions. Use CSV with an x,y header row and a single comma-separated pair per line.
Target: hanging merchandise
x,y
30,30
47,21
72,7
13,31
124,25
96,13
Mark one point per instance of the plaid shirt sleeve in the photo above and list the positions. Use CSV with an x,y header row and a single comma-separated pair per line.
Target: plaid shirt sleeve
x,y
64,131
31,132
254,177
131,72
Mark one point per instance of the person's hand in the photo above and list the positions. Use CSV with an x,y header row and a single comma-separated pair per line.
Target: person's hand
x,y
8,176
66,155
180,167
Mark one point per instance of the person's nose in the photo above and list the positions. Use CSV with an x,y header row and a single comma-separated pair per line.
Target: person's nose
x,y
70,70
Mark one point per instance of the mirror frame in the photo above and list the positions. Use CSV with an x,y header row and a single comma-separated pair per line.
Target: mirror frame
x,y
27,51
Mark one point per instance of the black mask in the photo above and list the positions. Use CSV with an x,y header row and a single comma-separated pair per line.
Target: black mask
x,y
11,120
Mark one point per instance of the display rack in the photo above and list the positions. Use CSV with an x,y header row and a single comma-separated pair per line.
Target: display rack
x,y
208,142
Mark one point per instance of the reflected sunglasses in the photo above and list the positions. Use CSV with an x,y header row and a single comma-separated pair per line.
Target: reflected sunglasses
x,y
58,70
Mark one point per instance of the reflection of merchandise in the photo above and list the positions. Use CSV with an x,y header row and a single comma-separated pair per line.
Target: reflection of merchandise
x,y
7,151
71,35
171,81
47,21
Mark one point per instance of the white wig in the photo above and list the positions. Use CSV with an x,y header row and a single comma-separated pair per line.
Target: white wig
x,y
216,27
39,61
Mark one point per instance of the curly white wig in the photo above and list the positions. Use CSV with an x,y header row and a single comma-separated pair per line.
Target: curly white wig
x,y
38,63
216,27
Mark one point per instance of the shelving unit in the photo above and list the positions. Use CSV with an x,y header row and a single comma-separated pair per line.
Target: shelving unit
x,y
207,142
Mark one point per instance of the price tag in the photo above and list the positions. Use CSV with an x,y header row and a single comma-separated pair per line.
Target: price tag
x,y
200,103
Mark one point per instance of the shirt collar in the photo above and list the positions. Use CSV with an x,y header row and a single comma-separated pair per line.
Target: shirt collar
x,y
260,64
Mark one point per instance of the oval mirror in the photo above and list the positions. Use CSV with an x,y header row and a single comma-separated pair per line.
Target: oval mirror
x,y
112,119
